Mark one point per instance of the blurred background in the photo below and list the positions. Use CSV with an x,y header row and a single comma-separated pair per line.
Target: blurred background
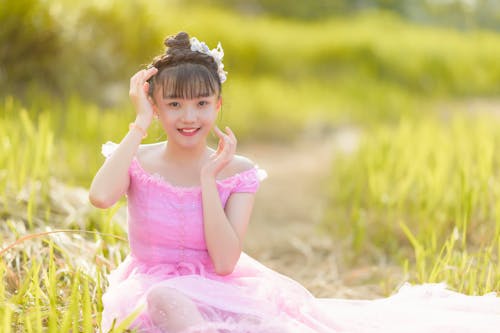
x,y
293,66
377,118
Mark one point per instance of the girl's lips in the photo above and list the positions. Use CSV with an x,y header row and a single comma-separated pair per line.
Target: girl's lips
x,y
188,131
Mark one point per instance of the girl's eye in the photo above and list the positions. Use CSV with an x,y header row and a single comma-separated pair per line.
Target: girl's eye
x,y
174,104
202,103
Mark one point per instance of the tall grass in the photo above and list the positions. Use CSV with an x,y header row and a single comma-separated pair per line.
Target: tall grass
x,y
402,195
372,44
49,294
429,186
25,156
284,76
54,249
46,294
102,43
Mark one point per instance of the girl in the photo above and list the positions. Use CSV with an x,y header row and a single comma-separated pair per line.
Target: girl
x,y
188,211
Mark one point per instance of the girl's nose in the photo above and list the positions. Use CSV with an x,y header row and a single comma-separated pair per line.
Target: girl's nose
x,y
189,115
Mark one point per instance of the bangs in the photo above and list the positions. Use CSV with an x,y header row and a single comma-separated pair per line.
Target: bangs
x,y
187,81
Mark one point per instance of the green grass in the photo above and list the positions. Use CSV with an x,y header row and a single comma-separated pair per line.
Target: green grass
x,y
373,44
50,293
424,194
421,192
46,294
52,261
284,76
372,66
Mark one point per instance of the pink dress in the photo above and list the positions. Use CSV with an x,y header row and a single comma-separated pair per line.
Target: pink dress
x,y
167,247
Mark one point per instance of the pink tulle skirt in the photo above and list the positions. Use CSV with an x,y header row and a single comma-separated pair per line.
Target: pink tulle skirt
x,y
255,298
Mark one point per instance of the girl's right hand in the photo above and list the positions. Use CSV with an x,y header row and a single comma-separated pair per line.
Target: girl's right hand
x,y
139,96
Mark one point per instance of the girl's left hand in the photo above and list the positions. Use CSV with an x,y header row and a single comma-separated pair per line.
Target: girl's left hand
x,y
223,155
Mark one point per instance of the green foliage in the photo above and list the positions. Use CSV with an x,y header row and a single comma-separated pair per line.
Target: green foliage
x,y
49,282
297,9
48,297
25,156
455,13
30,41
95,47
61,62
372,67
435,183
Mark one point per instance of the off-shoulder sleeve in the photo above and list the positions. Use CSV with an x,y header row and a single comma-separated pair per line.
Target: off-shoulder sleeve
x,y
249,181
108,148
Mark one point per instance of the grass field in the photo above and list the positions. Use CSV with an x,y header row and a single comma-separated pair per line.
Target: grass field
x,y
421,192
426,190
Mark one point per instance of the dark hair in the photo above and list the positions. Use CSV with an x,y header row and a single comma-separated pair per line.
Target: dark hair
x,y
183,73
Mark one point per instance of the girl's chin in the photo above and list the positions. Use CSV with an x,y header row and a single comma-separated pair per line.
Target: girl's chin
x,y
189,139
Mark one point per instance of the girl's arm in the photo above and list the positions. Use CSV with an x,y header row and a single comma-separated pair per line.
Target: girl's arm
x,y
112,180
224,228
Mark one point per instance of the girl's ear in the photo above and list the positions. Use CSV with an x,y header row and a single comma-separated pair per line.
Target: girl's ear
x,y
153,104
219,104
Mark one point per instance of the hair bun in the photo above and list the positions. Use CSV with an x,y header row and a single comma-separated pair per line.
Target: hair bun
x,y
179,41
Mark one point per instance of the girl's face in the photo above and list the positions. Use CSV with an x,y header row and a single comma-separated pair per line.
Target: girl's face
x,y
187,122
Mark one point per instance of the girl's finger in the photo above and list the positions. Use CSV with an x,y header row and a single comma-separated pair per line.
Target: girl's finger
x,y
231,134
143,75
149,73
229,148
231,144
229,131
227,144
219,133
222,136
220,147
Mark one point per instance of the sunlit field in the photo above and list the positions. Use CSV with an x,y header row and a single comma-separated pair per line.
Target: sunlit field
x,y
424,194
421,191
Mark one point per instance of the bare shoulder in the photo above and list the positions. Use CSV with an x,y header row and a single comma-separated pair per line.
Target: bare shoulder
x,y
149,151
241,163
144,147
238,164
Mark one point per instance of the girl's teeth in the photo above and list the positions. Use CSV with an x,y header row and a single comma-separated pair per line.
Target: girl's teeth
x,y
189,130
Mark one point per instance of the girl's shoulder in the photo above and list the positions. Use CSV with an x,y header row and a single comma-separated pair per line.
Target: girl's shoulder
x,y
243,175
147,148
109,147
238,165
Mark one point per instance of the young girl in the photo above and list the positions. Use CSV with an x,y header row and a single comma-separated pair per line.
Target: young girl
x,y
188,211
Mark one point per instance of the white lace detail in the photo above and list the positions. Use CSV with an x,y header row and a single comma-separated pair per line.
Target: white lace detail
x,y
108,148
247,178
261,174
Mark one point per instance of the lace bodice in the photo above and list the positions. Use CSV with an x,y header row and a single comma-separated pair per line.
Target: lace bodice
x,y
165,222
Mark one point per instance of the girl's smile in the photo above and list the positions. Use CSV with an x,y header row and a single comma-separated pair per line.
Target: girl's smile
x,y
189,131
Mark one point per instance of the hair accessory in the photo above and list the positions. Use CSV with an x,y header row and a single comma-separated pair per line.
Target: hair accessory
x,y
216,53
139,128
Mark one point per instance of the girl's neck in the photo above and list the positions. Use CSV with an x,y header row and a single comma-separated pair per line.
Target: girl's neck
x,y
185,156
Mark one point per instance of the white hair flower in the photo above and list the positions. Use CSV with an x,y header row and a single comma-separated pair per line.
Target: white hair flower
x,y
217,54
